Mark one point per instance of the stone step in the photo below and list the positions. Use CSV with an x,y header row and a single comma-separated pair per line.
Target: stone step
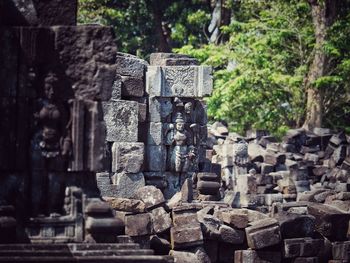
x,y
92,259
69,247
65,253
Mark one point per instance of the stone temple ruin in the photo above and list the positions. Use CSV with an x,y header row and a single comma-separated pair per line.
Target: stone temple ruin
x,y
108,158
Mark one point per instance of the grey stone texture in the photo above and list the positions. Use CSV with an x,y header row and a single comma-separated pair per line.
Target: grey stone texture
x,y
127,184
127,157
129,65
92,73
121,119
179,81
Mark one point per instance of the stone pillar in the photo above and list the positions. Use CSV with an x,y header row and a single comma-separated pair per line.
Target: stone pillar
x,y
177,119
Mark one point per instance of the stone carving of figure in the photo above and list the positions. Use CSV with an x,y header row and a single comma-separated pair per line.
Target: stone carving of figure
x,y
183,152
50,148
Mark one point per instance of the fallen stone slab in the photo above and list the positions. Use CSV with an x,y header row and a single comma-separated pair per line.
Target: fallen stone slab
x,y
253,256
263,233
341,250
150,195
126,205
186,236
330,221
138,225
161,220
230,235
302,247
185,214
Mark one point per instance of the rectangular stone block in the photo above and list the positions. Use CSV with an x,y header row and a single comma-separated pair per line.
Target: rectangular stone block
x,y
171,59
252,256
186,236
330,222
155,133
341,250
129,65
132,87
185,215
161,220
159,109
121,119
235,218
127,156
142,113
156,158
138,225
263,233
179,81
127,184
302,247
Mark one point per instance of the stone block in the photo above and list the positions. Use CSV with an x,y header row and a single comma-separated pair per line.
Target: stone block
x,y
180,81
161,220
104,225
185,215
302,247
87,59
132,87
263,233
306,260
126,204
155,133
129,65
127,157
330,222
183,256
142,113
150,195
296,226
235,218
138,225
38,13
121,119
253,256
208,177
128,184
171,59
208,188
341,250
186,236
116,88
159,109
187,191
156,158
230,235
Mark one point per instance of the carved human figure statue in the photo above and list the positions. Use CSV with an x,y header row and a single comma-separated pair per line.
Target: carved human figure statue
x,y
50,148
182,151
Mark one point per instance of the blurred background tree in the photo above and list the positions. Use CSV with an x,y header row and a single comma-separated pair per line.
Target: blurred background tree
x,y
278,64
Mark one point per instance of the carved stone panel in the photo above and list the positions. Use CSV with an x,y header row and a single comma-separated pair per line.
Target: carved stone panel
x,y
179,81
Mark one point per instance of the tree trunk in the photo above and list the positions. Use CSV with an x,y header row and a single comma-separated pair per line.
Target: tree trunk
x,y
323,15
161,30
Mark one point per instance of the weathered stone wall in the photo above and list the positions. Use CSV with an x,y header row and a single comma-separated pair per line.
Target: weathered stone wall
x,y
55,77
142,124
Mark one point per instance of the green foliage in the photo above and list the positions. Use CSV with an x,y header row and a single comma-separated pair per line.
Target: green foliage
x,y
259,72
134,23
